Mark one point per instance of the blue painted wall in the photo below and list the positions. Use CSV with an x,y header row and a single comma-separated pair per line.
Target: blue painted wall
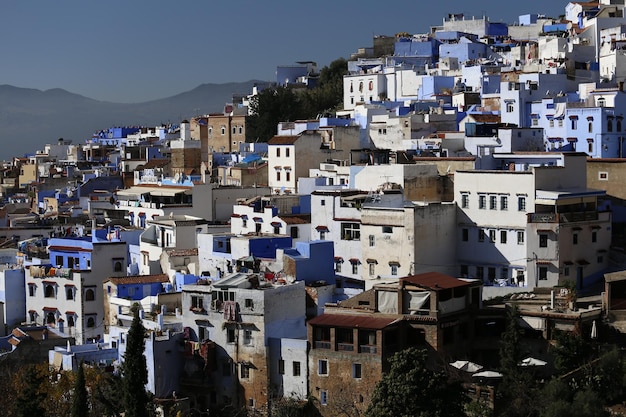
x,y
266,247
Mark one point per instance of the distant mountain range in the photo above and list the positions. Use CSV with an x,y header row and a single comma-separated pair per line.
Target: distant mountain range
x,y
31,118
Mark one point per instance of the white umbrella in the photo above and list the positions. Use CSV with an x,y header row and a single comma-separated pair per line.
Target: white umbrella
x,y
488,374
466,366
594,330
533,362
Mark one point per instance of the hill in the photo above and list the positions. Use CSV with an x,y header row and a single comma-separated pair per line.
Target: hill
x,y
31,118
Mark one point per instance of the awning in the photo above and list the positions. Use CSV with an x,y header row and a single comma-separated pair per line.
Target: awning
x,y
557,139
276,224
354,261
573,117
321,229
338,259
49,309
141,214
49,282
572,139
568,263
371,261
394,263
257,219
582,262
70,313
543,262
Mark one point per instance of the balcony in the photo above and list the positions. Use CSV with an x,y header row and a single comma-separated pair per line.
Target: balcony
x,y
371,349
582,216
321,344
345,347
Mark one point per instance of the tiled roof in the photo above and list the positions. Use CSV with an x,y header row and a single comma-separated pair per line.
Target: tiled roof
x,y
156,163
283,140
139,279
296,218
435,281
362,321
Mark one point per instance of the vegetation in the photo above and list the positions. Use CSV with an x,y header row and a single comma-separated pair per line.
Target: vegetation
x,y
135,372
80,406
410,389
285,104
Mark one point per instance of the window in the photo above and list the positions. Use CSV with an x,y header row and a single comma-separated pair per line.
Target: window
x,y
245,372
510,107
503,234
240,130
356,370
49,291
69,293
521,203
296,368
223,130
355,268
293,232
31,290
465,234
322,367
594,236
372,268
491,273
59,261
324,397
338,265
520,237
609,125
504,202
277,175
603,176
288,176
281,367
278,152
372,241
90,295
230,335
387,229
482,202
287,152
394,269
322,235
600,259
91,322
480,272
481,235
590,127
493,202
543,273
247,337
575,239
464,200
590,145
551,122
543,240
322,202
350,231
492,236
464,271
117,265
197,302
504,273
574,122
70,321
566,271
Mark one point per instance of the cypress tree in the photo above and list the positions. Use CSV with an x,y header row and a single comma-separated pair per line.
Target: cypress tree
x,y
80,406
135,371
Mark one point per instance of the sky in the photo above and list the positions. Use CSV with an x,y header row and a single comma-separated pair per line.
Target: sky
x,y
139,50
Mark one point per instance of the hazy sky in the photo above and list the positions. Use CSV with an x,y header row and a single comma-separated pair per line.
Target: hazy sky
x,y
139,50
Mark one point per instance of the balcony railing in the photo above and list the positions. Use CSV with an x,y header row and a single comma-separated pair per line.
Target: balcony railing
x,y
346,347
368,349
319,344
581,216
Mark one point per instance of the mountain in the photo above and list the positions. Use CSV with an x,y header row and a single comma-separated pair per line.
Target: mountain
x,y
31,118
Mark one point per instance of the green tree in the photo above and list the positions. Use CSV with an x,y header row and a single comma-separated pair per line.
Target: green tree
x,y
410,389
80,405
570,352
31,387
511,352
135,372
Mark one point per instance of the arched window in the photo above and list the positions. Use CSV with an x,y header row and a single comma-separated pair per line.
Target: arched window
x,y
69,293
609,125
590,129
90,295
49,291
50,319
619,124
371,85
70,321
91,322
117,267
361,86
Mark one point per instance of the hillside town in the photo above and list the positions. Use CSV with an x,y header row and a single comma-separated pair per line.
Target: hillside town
x,y
469,174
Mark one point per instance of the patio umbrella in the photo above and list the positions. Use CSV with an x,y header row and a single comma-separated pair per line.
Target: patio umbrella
x,y
466,366
594,330
488,374
532,362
